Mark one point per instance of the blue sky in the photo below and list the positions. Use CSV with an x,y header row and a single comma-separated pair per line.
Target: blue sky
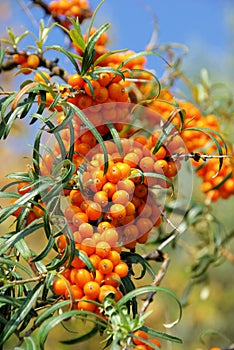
x,y
201,25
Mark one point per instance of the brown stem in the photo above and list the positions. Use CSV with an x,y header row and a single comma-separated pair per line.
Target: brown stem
x,y
158,278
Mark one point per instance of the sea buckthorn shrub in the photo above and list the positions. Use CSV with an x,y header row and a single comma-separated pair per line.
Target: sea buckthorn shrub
x,y
109,187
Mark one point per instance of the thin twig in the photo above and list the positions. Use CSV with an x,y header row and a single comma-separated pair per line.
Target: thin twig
x,y
157,281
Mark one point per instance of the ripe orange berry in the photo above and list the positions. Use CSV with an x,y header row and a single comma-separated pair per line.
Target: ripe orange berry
x,y
120,197
94,211
117,211
95,259
104,79
76,81
112,279
140,347
109,188
19,58
104,225
105,266
92,289
103,249
155,342
141,334
84,101
79,218
101,198
76,292
110,235
147,164
33,61
140,190
114,257
131,159
86,230
60,286
85,305
95,90
77,262
83,276
121,269
70,211
113,174
105,290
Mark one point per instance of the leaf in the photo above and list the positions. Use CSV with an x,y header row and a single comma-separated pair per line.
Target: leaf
x,y
151,289
82,337
20,314
76,34
93,130
2,55
161,335
66,53
93,16
53,321
115,136
20,235
209,132
140,54
30,343
162,137
135,258
89,53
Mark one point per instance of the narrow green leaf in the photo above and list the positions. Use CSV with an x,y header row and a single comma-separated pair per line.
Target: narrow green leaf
x,y
30,343
94,131
20,235
20,314
82,337
76,33
66,53
53,321
163,136
115,136
89,53
93,16
2,55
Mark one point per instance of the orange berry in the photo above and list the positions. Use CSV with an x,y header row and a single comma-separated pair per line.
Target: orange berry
x,y
86,230
105,290
76,292
120,197
140,190
19,58
60,286
147,164
131,159
103,249
114,257
91,289
79,218
83,276
155,342
95,259
109,188
113,174
33,61
76,81
141,334
112,279
104,79
93,211
92,90
85,305
110,236
84,101
121,269
117,211
77,262
105,266
101,198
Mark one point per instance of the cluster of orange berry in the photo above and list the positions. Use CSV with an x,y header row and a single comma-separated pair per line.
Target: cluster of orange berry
x,y
139,342
69,8
26,61
77,282
216,183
